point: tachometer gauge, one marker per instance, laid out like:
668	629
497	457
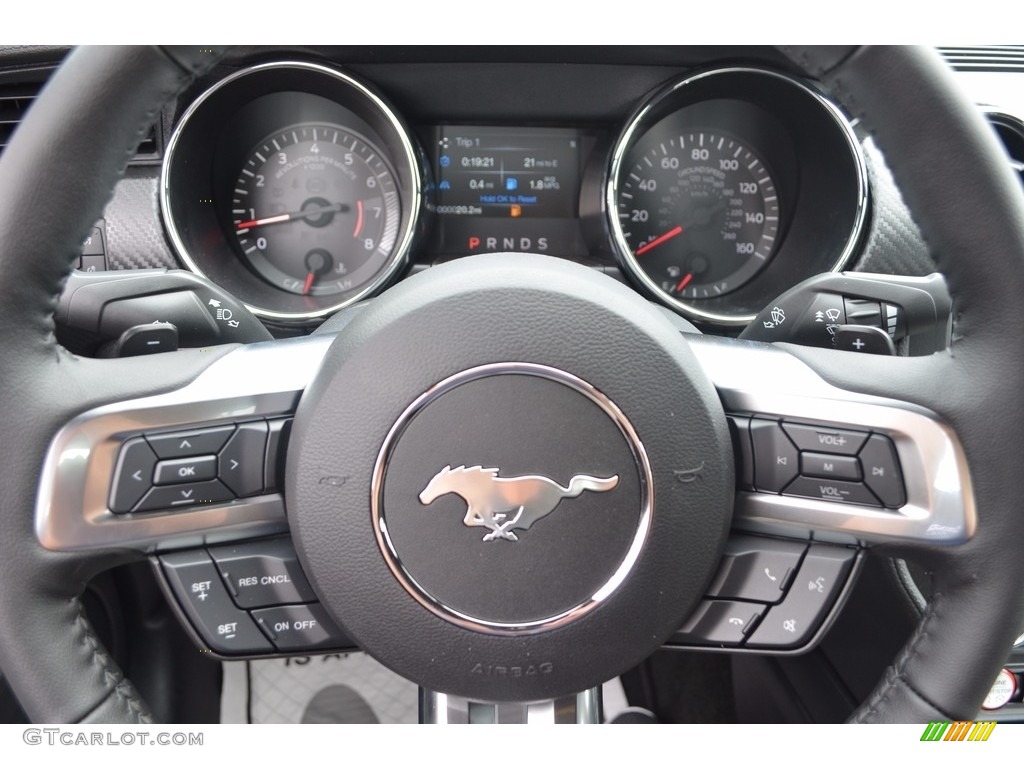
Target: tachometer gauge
295	187
699	211
315	209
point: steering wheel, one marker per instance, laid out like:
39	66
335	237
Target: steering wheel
484	336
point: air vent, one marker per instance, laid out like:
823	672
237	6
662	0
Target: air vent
986	58
19	90
15	99
150	149
1011	133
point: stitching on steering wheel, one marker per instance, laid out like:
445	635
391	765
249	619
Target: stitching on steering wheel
895	675
125	691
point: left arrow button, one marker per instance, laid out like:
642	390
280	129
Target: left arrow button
133	475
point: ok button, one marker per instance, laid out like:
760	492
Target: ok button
185	470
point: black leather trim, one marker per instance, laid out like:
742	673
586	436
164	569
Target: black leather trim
968	204
55	177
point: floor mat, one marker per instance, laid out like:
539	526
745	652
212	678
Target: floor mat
347	688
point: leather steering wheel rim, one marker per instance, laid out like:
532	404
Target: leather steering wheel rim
61	168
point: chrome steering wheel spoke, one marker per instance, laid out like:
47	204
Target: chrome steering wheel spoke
253	385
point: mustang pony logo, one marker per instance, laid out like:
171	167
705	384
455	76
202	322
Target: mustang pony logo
505	504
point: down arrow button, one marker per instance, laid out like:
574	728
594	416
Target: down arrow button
240	465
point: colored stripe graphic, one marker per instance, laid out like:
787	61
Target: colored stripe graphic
957	732
961	730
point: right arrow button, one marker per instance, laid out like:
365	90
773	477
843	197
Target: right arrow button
241	460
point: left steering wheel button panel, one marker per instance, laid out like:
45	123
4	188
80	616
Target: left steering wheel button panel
133	475
201	593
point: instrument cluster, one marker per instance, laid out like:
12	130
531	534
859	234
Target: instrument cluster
301	189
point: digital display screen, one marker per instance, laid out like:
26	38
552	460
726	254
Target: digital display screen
510	173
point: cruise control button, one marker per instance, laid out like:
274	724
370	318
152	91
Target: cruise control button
831	490
300	627
241	460
201	593
263	573
830	466
755	568
776	460
133	475
184	495
719	622
197	442
185	470
794	621
825	439
882	471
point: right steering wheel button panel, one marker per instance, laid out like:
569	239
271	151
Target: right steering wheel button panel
822	462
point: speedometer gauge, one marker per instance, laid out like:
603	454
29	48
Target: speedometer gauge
699	211
730	186
315	209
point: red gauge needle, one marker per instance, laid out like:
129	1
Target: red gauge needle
310	279
684	282
658	241
283	217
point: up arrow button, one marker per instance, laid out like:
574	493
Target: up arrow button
199	442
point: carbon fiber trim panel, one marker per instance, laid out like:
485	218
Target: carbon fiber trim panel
894	244
135	234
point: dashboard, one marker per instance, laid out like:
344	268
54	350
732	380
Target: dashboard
785	188
303	182
301	189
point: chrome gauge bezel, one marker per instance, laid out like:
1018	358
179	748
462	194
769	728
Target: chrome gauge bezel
675	96
405	158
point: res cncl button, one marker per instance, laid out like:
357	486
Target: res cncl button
262	573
